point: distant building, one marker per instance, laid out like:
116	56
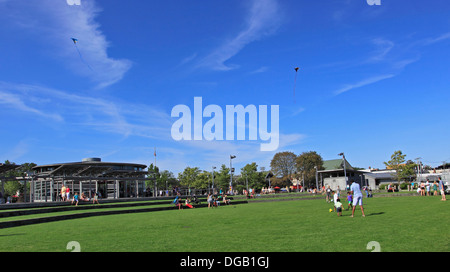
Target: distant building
334	175
91	175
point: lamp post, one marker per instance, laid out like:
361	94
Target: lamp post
213	178
345	172
231	174
317	179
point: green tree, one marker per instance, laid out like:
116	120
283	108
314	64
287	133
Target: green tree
222	178
167	179
305	164
189	176
397	163
283	164
203	180
12	186
153	177
250	174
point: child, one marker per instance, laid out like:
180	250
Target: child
95	199
188	203
350	200
75	199
338	206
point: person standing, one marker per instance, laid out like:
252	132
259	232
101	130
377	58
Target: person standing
349	200
67	193
338	206
63	193
328	191
357	197
209	200
442	189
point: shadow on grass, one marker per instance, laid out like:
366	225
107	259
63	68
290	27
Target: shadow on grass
378	213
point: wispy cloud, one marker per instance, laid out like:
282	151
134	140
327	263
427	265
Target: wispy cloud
102	114
363	83
61	23
384	46
16	102
263	19
393	56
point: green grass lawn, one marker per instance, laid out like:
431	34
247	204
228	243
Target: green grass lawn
398	224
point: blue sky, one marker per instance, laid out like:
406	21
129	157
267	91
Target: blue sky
372	79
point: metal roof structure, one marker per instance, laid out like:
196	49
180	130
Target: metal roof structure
90	169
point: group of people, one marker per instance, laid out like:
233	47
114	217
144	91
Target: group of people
213	200
179	202
432	188
354	198
65	196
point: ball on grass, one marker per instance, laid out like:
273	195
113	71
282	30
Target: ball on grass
330	210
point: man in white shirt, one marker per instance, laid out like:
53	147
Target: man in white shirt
357	197
442	189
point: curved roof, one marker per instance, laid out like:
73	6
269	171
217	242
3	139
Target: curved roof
92	168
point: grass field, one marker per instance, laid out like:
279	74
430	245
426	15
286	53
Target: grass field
398	224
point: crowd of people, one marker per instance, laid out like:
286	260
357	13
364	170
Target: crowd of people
213	200
429	188
76	198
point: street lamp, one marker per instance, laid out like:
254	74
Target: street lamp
231	174
317	179
213	178
345	172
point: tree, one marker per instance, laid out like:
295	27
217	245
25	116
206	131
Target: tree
222	178
12	186
189	176
408	171
153	176
167	179
283	164
250	174
202	180
397	163
305	164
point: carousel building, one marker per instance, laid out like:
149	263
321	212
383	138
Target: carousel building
90	176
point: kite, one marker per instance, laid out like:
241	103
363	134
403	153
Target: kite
295	82
75	41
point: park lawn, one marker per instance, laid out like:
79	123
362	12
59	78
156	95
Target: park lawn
398	224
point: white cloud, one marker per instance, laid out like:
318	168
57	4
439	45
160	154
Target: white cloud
384	46
263	19
363	83
103	114
17	102
56	22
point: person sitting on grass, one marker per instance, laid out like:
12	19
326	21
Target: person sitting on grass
179	203
95	199
226	201
188	204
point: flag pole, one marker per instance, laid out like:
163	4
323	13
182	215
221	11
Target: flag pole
154	154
